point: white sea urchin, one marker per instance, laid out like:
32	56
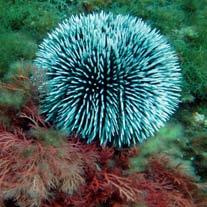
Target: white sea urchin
109	77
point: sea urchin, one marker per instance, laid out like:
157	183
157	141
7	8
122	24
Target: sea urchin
109	77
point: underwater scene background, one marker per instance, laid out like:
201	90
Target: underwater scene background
40	167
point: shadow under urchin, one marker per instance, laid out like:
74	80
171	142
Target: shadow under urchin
109	77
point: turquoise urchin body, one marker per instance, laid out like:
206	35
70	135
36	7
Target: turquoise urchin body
109	77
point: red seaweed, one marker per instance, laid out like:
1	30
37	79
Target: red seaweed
39	166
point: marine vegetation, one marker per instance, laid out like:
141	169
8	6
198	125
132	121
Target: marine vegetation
24	23
41	166
108	76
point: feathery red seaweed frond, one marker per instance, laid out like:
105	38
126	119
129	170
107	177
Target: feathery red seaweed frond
40	167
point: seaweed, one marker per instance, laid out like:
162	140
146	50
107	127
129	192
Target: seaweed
111	175
40	166
183	22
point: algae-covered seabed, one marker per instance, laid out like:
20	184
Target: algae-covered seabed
24	23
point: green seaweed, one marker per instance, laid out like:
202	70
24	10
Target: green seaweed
24	23
49	137
15	46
